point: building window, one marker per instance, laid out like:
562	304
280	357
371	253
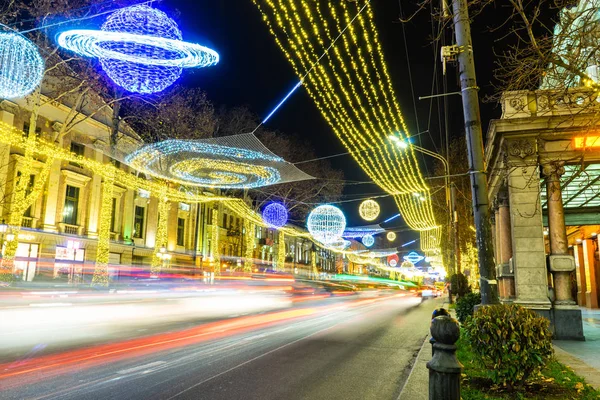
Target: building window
224	220
38	130
113	215
180	231
78	149
138	222
71	205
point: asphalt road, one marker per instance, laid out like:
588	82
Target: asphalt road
356	349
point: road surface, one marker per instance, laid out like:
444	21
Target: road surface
352	349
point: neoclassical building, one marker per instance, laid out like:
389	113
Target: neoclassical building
543	165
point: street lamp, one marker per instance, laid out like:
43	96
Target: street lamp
401	144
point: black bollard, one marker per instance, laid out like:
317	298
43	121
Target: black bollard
444	368
436	313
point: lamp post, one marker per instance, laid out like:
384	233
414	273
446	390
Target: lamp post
401	144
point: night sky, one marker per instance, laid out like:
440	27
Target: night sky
253	72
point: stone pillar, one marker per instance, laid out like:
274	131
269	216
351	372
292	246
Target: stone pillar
529	256
496	241
580	271
561	263
506	274
591	284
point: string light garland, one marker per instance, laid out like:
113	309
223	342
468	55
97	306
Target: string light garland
391	236
281	252
369	210
100	276
197	163
275	215
368	240
352	89
326	223
140	48
215	258
21	66
161	231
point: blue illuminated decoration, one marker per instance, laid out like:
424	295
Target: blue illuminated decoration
413	257
326	224
408	243
357	232
275	215
281	102
368	240
205	164
140	48
391	218
21	66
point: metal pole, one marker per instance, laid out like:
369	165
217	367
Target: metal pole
455	232
470	98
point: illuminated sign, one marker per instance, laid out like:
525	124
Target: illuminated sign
586	142
26	236
413	257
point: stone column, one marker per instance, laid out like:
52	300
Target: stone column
580	271
561	263
505	275
496	241
529	256
95	196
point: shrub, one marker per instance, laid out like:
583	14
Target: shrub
513	342
465	304
459	285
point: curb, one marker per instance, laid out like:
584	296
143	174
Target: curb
416	386
587	372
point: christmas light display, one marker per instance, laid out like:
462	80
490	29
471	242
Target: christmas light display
248	244
369	210
357	232
161	231
393	260
206	164
353	72
215	258
140	48
21	66
275	215
391	236
281	252
326	224
100	276
413	257
368	240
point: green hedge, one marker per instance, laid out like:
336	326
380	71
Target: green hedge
465	305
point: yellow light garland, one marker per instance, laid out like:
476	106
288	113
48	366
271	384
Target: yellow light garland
101	277
160	241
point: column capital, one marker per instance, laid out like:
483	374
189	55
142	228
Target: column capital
502	198
553	170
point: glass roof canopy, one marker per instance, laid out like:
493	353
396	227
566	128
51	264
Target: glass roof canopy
580	187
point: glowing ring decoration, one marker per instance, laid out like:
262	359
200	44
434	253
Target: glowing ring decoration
88	43
368	240
369	210
391	236
326	224
205	164
21	66
275	215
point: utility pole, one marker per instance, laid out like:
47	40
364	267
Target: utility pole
479	189
455	233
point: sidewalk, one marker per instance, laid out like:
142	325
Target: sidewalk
582	357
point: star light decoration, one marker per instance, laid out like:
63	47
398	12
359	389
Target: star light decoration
391	236
326	224
205	164
354	72
368	240
369	210
275	215
21	66
140	48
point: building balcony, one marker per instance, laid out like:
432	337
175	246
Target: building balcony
29	222
68	229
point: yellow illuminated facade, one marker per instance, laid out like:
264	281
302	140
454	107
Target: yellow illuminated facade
350	85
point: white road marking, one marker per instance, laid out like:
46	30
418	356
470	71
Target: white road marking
141	367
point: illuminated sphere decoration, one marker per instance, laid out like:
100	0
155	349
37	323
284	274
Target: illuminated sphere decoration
369	210
368	240
275	215
21	66
391	236
140	48
326	224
